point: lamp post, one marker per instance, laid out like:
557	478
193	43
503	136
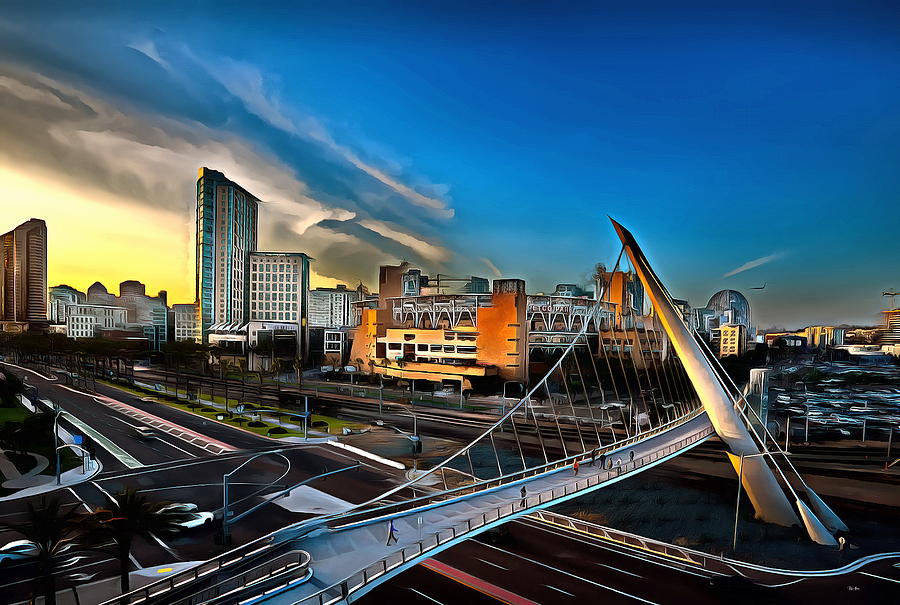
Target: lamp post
226	537
737	504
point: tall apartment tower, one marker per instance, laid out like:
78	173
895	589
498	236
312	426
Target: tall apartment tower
23	275
226	234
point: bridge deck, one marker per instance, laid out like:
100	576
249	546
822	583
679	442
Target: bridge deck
353	558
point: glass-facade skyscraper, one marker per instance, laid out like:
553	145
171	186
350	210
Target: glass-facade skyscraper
227	217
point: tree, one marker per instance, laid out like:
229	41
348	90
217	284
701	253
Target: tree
10	387
55	530
128	516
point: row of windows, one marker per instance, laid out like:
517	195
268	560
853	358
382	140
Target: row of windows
279	268
266	306
464	350
273	296
280	287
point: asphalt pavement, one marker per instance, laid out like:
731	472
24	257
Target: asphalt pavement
529	562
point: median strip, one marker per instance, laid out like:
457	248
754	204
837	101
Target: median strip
98	438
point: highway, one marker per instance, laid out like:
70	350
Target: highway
530	562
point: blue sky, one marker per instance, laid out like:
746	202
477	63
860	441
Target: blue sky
464	138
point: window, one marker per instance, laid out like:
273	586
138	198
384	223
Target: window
465	350
393	346
421	347
436	348
449	349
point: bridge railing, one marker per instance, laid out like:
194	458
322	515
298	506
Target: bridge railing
517	507
385	511
151	592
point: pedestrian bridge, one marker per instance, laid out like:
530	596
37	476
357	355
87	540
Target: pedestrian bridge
595	418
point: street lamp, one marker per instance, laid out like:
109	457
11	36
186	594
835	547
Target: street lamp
225	534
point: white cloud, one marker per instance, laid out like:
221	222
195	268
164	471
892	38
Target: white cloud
752	264
421	247
247	83
490	265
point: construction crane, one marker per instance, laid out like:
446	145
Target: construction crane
892	294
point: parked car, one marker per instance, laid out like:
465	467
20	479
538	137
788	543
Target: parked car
145	432
19	550
179	507
195	519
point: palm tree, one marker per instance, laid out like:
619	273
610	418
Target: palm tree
130	515
54	529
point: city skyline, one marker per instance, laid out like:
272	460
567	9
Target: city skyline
398	156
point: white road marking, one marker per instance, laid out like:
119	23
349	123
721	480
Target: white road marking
566	592
620	570
422	594
571	575
782	584
494	564
83	503
865	573
160	439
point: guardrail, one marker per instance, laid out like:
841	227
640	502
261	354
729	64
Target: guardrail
658	547
191	574
341	590
292	566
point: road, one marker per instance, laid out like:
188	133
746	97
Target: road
175	469
531	562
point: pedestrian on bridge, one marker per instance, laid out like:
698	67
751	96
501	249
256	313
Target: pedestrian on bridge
593	456
631	456
392	534
523	492
575	467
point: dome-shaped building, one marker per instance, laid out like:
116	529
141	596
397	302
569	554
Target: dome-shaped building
733	306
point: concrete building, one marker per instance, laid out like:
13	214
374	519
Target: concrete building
60	297
146	314
732	339
227	216
332	307
459	340
87	320
23	277
187	324
278	325
890	334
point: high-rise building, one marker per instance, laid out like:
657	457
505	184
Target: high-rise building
731	339
279	291
227	217
23	276
148	314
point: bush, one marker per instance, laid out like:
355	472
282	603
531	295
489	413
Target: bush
277	430
257	424
209	410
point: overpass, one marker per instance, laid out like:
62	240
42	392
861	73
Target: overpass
593	419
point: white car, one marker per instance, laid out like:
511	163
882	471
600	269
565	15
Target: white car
195	519
179	507
18	551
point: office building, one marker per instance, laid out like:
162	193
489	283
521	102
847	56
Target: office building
187	324
87	320
332	307
146	314
731	339
60	297
227	216
23	277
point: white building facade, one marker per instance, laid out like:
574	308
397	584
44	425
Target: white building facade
85	320
187	326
